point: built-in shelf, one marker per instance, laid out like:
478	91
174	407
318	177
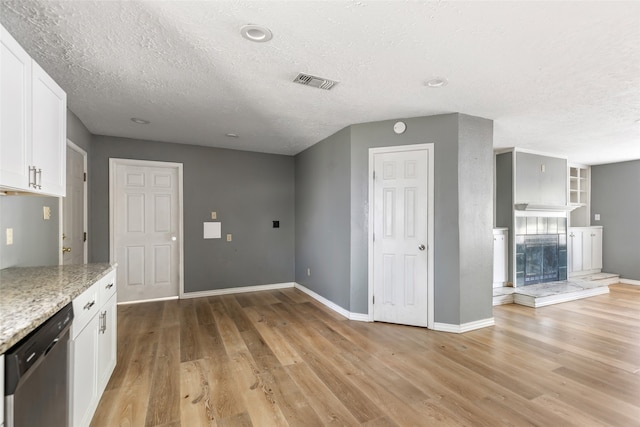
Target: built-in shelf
578	192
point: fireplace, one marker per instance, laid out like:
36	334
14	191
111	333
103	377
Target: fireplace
541	250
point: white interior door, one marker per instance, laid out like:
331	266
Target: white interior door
74	208
146	228
401	238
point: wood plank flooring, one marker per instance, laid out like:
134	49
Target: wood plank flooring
278	358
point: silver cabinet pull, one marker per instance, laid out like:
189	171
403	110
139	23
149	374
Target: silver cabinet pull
32	183
39	183
109	286
103	322
90	304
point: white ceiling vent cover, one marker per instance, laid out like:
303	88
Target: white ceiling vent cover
314	81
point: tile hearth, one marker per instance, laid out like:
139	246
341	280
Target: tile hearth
549	293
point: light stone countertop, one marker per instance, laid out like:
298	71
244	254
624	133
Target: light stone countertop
31	295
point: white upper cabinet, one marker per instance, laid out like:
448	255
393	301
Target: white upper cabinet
33	124
15	112
49	133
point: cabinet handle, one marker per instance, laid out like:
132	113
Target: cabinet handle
32	183
90	304
39	174
109	286
103	322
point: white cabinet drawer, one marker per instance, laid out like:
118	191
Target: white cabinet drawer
85	306
107	288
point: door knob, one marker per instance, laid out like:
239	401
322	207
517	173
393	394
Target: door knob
422	247
66	249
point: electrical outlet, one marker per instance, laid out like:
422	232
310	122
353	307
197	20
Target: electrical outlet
543	168
214	215
9	236
308	272
46	212
229	237
596	217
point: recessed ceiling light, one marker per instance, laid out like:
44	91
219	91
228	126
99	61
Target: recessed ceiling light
256	33
232	135
437	82
140	121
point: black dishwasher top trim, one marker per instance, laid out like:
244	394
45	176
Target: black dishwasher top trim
28	351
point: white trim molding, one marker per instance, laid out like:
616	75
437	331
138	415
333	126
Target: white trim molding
147	300
465	327
238	290
360	317
113	163
630	282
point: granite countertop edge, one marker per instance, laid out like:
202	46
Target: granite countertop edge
31	295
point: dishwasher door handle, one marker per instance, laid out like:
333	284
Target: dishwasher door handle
53	344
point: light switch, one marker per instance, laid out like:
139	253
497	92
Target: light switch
543	168
229	237
596	217
9	236
46	212
212	230
214	215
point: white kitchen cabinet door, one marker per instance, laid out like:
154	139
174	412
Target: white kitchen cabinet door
49	133
586	249
500	258
83	367
575	250
596	248
15	113
107	342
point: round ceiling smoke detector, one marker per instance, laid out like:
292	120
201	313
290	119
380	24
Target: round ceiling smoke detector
140	121
256	33
437	82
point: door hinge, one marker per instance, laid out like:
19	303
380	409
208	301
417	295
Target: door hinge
374	299
85	177
84	236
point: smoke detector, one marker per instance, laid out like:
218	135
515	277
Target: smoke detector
314	81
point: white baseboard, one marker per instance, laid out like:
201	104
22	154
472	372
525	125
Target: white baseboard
238	290
630	282
503	299
147	300
465	327
333	306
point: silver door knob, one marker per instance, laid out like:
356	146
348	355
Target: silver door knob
422	247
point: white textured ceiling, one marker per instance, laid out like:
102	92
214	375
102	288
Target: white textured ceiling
557	77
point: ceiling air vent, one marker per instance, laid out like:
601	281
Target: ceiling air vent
314	81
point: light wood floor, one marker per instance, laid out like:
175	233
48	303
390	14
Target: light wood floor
279	358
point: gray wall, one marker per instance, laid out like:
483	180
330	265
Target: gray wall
35	240
247	190
323	204
504	199
443	132
77	132
463	178
475	217
537	187
615	195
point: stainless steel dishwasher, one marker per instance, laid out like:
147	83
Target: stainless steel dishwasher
36	379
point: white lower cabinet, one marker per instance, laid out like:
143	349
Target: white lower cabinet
500	257
584	250
92	348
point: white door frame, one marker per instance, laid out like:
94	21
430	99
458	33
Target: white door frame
113	163
85	214
430	224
